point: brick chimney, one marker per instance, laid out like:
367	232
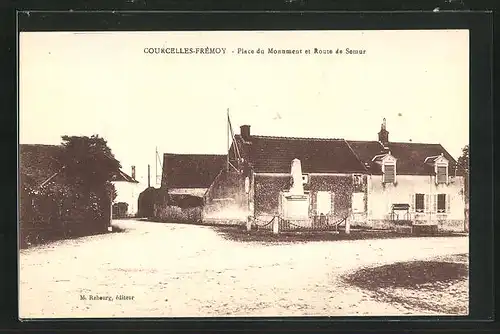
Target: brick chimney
245	132
133	172
383	135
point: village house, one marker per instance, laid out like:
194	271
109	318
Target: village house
375	184
259	182
418	182
127	194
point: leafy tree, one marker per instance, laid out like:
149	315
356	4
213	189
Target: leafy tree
88	161
463	164
88	166
463	160
74	201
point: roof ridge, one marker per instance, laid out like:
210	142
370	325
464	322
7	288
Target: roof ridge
299	138
413	143
391	142
42	145
196	154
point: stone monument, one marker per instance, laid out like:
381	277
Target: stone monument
296	202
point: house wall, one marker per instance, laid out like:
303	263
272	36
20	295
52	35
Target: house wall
226	201
381	197
129	193
268	188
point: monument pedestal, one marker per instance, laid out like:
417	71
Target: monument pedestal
296	207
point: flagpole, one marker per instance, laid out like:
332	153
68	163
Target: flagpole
228	147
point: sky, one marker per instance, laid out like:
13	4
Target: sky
85	83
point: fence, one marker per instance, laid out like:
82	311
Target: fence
316	223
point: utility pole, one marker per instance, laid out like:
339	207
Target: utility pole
158	163
149	176
228	147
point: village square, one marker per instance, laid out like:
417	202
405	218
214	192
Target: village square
278	226
167	182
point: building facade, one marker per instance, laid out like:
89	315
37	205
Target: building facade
128	190
259	182
424	177
374	184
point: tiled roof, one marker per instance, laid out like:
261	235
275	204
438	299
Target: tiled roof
411	157
191	170
38	162
123	177
275	154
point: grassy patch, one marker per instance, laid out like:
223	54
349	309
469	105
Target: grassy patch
437	286
239	233
408	274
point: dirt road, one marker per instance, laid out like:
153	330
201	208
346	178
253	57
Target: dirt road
169	270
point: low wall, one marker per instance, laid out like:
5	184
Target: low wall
452	225
224	214
443	225
178	215
223	222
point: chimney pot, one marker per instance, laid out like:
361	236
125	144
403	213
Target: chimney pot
245	132
383	135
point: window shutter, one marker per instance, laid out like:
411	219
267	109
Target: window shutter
389	173
441	174
314	203
412	202
332	210
448	203
434	203
310	205
280	204
427	204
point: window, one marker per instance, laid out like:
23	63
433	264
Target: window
358	202
419	203
441	203
442	174
389	173
305	179
358	179
324	202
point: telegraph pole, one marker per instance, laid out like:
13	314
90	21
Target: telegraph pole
149	176
228	147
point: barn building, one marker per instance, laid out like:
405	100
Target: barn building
185	180
190	174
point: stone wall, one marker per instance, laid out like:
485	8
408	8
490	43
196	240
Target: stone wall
226	200
269	187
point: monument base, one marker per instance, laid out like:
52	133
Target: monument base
296	207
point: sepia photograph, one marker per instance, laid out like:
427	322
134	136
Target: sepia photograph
168	174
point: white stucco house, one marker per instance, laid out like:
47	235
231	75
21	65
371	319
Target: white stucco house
420	182
128	190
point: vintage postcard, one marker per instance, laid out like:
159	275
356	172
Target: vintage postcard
243	173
